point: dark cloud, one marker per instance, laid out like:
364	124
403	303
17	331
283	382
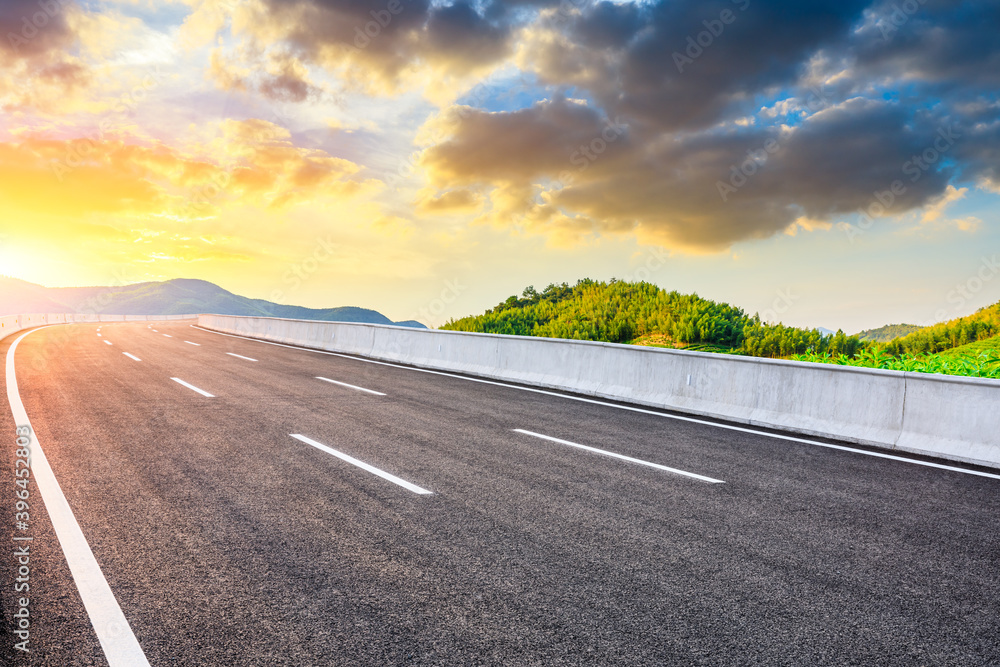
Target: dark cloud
954	45
460	34
389	36
29	29
685	64
607	25
331	30
702	191
977	154
520	146
287	86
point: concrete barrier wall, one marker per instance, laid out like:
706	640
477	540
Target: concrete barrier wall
944	416
952	417
9	324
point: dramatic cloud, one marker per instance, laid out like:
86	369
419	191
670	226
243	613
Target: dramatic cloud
693	125
702	191
687	90
682	65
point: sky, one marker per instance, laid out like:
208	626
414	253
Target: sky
824	163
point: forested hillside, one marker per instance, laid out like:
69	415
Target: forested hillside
982	324
644	314
888	332
623	312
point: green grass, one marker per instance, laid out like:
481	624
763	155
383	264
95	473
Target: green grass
975	349
982	362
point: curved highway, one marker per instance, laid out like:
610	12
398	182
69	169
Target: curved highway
254	504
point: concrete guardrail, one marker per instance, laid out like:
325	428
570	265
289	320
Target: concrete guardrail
949	417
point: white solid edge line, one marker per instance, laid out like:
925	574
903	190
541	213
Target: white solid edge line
710	480
193	388
190	343
131	356
364	466
120	646
350	386
593	401
108	342
240	356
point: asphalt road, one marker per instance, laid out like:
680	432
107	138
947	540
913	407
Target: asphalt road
227	541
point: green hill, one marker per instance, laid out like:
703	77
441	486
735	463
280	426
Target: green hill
964	346
982	324
888	332
642	313
987	346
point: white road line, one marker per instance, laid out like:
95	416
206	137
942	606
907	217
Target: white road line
121	648
100	336
620	456
364	466
168	335
240	356
592	401
193	388
130	356
190	343
156	331
108	342
350	386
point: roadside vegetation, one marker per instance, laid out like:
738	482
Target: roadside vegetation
983	364
641	313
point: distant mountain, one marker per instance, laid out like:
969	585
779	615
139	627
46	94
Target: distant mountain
173	297
18	296
888	332
825	331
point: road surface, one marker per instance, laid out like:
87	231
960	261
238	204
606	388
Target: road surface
243	511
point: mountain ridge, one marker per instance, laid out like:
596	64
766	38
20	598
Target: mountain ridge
171	297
